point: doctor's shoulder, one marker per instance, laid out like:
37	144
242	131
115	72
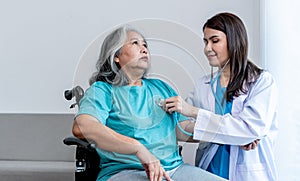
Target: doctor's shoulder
266	78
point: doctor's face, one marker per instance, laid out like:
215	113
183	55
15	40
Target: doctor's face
216	49
134	55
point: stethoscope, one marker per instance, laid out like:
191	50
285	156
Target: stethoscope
213	81
161	103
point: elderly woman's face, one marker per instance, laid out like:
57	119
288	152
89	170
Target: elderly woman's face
216	49
134	55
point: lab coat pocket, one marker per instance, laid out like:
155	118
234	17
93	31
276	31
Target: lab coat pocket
256	171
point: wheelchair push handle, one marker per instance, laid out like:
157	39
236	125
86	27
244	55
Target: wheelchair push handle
76	92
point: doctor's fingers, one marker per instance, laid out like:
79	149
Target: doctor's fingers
248	146
173	106
255	143
251	146
174	99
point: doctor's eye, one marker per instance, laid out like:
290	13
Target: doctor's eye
215	40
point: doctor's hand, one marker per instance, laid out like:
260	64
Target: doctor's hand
251	146
154	171
179	105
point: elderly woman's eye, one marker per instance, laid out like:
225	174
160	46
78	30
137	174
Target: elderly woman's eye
145	45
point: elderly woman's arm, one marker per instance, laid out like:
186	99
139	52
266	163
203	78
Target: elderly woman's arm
88	127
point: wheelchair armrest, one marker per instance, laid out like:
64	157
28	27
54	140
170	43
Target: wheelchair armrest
89	145
180	149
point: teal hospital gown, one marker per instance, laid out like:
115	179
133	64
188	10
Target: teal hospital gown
132	111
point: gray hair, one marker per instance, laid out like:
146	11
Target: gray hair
107	69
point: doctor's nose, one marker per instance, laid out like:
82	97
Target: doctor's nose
207	47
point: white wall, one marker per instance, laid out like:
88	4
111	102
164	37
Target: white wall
282	58
43	42
49	46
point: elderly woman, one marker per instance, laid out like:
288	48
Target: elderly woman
136	138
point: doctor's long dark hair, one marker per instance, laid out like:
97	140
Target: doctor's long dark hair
242	71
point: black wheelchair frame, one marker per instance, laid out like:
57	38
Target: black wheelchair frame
87	160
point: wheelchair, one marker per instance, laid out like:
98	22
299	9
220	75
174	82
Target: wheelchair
87	160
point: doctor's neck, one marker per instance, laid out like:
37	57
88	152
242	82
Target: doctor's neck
225	67
225	73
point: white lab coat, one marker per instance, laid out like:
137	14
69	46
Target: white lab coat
253	116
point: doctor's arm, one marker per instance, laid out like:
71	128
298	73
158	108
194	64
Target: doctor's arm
187	126
251	122
180	105
88	127
252	116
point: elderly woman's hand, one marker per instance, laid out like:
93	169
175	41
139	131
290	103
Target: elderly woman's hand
154	171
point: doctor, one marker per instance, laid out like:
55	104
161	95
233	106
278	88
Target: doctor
234	106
